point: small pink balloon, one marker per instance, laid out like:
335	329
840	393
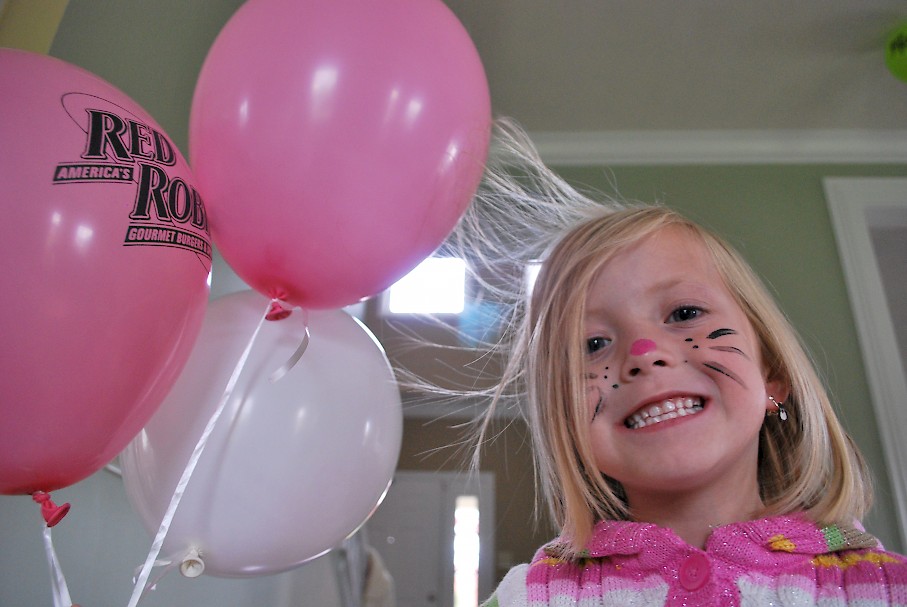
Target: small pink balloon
106	257
337	142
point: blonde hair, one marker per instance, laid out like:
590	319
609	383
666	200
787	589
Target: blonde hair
807	463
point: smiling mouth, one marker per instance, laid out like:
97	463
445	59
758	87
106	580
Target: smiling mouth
671	408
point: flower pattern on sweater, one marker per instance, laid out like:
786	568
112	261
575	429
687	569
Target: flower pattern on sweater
786	561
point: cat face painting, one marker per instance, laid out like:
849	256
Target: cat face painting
676	388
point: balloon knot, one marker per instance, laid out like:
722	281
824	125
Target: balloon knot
51	512
277	311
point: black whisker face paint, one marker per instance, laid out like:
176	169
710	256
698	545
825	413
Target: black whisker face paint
720	333
731	349
598	405
724	371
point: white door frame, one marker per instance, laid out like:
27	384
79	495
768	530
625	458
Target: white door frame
480	484
444	487
852	202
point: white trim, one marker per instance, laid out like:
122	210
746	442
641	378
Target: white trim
850	201
855	146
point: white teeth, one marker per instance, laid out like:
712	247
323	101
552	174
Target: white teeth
663	411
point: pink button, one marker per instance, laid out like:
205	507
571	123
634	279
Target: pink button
694	571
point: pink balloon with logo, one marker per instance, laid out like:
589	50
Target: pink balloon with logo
104	282
337	142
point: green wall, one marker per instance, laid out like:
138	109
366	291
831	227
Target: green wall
152	51
776	215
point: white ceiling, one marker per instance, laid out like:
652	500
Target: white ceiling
757	75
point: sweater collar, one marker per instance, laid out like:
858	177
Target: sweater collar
787	533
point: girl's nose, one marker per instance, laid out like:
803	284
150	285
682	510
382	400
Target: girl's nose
642	356
642	346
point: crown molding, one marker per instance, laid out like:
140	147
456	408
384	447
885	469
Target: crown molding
722	147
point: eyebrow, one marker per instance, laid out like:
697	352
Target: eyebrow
682	283
665	285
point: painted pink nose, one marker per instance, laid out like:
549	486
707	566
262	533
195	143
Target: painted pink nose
642	346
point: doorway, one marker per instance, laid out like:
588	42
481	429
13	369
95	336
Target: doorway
869	217
435	533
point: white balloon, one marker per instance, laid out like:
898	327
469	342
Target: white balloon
292	467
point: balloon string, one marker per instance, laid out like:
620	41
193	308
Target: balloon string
291	362
57	581
142	580
168	564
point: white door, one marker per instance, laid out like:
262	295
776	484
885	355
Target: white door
413	530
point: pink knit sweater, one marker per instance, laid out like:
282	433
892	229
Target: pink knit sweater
781	561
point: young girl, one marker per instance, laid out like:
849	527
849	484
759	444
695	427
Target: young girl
685	445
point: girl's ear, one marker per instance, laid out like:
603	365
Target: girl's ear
779	389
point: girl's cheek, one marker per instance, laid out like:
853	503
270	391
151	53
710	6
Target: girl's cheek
595	399
593	396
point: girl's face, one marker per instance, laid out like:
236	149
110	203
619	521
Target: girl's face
676	389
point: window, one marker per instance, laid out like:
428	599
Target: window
530	274
435	286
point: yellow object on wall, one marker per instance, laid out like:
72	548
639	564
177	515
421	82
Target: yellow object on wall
30	24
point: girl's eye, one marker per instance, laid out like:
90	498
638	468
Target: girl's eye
685	314
595	344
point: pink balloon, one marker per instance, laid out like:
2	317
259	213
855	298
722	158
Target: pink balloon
292	467
337	142
106	258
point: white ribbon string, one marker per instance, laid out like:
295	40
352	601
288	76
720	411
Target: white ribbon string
291	362
57	581
139	589
167	565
